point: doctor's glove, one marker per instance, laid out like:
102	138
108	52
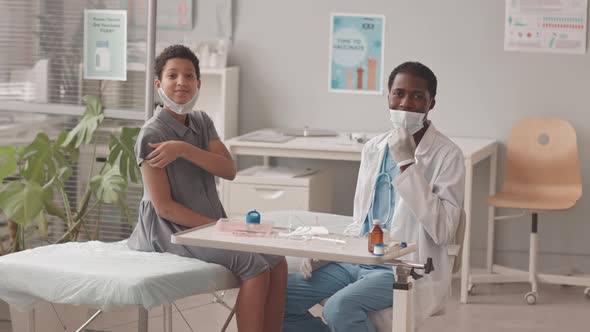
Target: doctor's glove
402	147
308	265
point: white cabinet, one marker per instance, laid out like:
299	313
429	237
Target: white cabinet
246	192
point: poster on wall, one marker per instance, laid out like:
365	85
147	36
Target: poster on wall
356	53
105	44
172	14
550	26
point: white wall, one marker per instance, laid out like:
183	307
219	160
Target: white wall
282	50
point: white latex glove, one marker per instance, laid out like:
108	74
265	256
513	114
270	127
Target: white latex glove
402	146
309	265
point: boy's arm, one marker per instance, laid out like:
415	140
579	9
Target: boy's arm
158	186
216	161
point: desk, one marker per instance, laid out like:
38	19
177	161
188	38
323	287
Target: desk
354	251
474	150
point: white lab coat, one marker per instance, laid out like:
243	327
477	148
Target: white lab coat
429	201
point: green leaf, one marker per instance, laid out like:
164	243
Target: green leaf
84	131
54	210
44	160
23	202
39	165
64	156
8	161
121	153
110	186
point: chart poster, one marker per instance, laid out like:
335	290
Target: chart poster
550	26
105	44
172	14
356	53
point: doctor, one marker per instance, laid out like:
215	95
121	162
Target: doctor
426	197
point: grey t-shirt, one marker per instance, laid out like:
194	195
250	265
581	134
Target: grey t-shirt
190	185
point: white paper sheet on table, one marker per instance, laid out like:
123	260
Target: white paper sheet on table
105	276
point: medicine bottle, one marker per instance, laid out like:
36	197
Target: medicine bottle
375	235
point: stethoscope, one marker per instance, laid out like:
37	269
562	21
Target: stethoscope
382	176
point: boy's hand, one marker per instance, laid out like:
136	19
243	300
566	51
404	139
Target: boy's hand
165	153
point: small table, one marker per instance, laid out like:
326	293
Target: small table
354	251
475	150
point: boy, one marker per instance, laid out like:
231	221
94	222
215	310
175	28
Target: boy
179	153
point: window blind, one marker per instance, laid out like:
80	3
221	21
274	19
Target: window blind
41	49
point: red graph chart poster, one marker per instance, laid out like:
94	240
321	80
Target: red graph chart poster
551	26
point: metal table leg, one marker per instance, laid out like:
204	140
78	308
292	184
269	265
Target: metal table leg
167	315
403	315
142	321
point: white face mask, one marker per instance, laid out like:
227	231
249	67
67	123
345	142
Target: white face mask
178	108
411	121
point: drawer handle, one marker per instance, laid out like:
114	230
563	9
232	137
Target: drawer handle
269	193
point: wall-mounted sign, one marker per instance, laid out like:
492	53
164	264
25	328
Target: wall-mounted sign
105	44
356	53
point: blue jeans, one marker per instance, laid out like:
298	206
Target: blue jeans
354	291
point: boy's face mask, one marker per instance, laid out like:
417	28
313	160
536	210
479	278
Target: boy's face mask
411	121
178	108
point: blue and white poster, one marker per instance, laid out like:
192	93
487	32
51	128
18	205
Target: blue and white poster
356	53
105	44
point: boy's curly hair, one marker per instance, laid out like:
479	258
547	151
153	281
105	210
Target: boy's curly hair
176	51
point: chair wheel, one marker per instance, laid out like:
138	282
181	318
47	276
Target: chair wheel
587	292
530	297
471	289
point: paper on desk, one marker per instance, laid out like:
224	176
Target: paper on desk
307	231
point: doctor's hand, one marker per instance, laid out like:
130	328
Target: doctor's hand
402	147
308	265
165	153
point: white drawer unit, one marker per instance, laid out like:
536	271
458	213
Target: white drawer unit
246	192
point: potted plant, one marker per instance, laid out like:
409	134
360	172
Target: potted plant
36	175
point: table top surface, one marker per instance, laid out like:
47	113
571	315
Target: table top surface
353	251
341	143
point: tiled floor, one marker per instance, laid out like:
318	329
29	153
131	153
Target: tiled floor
492	308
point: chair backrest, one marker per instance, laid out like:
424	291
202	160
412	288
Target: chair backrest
542	158
457	249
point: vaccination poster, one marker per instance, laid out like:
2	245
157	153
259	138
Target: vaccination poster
550	26
356	53
105	44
